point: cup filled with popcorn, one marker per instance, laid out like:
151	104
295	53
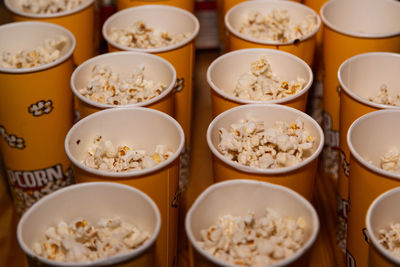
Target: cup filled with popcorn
266	142
258	75
165	31
75	15
251	223
124	79
139	147
282	25
91	224
374	168
186	4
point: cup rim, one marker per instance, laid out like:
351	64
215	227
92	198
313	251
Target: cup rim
354	95
235	32
126	174
258	171
352	33
238	182
192	36
146	103
235	99
56	62
112	260
45	16
358	157
370	230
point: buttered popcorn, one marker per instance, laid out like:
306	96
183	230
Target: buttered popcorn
276	25
44	54
390	239
390	161
249	143
250	241
48	6
262	84
81	241
383	97
140	36
104	155
105	86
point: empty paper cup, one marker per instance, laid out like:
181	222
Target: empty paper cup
80	21
299	178
224	72
156	69
369	138
36	112
237	198
143	129
181	55
184	4
92	202
303	48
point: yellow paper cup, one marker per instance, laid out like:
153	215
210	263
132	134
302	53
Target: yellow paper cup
303	48
181	56
184	4
79	21
223	73
144	128
237	198
382	212
79	201
299	178
125	63
368	138
36	113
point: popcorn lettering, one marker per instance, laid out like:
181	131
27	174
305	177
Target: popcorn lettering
250	241
140	36
80	241
249	143
48	6
390	239
276	25
106	87
262	84
383	97
390	161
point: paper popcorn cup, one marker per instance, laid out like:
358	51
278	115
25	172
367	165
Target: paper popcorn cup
79	21
381	214
144	129
181	56
78	201
224	72
125	63
369	138
184	4
299	178
35	114
303	48
237	198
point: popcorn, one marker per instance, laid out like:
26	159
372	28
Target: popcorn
80	241
276	26
106	87
48	6
103	155
383	97
250	144
48	52
390	161
247	241
140	36
262	84
390	239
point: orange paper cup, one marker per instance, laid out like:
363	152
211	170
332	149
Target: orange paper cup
299	178
184	4
223	73
368	138
303	48
236	198
79	21
144	128
382	212
125	63
78	201
173	20
36	113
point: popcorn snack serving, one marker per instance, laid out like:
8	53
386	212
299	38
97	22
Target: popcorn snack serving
383	97
390	239
48	6
390	161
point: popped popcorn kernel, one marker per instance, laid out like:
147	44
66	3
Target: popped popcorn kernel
390	161
390	239
48	6
385	98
